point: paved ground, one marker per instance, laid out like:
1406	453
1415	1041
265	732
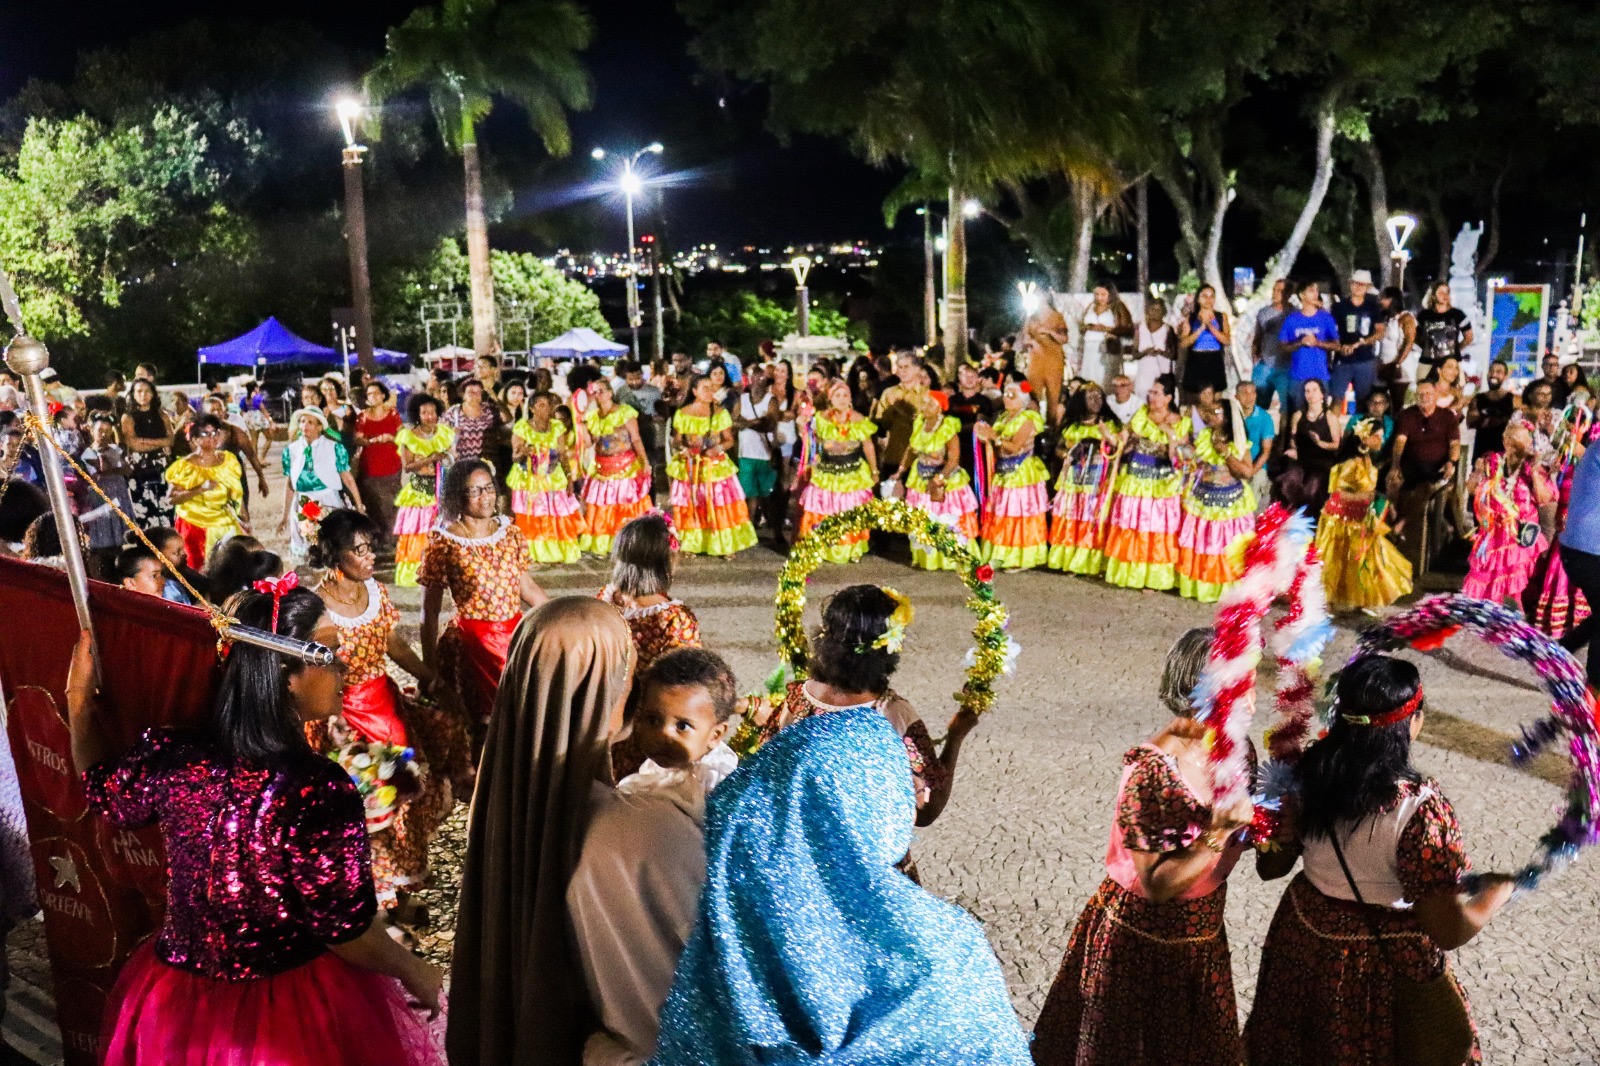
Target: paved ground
1021	844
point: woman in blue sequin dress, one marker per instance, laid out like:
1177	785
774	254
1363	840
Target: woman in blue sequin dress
810	946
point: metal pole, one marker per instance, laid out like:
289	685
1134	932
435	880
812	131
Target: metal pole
659	338
803	318
930	290
28	358
355	213
1577	272
634	318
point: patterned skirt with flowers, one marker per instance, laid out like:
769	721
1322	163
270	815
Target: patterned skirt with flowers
956	507
1215	518
1146	513
1143	982
1015	533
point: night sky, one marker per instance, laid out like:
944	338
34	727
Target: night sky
735	182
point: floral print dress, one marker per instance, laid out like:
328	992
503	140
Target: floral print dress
1326	991
1147	982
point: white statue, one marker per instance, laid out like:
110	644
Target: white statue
1464	294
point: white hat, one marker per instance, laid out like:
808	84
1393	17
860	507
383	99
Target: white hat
311	412
1361	277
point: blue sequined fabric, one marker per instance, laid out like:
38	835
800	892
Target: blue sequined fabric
810	947
269	865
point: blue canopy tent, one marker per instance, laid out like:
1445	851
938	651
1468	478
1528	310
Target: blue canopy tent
272	344
579	343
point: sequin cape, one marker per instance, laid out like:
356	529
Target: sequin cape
269	865
809	945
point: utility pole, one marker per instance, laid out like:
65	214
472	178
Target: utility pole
1142	245
659	336
355	218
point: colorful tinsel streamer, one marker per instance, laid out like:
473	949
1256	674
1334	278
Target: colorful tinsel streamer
1571	703
1279	561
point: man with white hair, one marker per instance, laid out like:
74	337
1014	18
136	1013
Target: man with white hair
1361	326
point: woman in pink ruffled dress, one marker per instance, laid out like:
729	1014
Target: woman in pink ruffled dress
1507	492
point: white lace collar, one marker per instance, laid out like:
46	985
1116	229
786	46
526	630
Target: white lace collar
374	605
475	542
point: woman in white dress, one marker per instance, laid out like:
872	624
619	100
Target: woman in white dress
1155	348
1101	331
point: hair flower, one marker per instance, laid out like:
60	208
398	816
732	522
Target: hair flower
894	634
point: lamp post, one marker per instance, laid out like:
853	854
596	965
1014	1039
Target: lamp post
1400	228
801	265
355	234
930	289
631	185
1029	291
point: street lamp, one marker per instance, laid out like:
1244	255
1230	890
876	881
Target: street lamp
1400	228
632	185
971	208
1029	291
801	265
350	111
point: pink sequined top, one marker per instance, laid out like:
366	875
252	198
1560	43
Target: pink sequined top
269	865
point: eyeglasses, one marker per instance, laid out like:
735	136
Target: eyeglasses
362	548
481	490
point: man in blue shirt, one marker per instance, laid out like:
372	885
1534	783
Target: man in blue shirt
1361	326
1258	429
1308	334
1580	552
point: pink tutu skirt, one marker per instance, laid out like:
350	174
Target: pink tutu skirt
325	1013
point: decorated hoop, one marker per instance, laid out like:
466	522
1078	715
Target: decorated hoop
993	652
1430	623
1279	560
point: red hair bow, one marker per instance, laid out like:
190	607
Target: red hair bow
277	588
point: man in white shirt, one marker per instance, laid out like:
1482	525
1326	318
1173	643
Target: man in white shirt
1122	401
757	420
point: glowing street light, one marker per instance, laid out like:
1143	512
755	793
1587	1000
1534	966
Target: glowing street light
1029	291
971	208
801	265
350	111
1400	228
632	185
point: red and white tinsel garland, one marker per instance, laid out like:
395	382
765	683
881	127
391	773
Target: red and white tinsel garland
1280	560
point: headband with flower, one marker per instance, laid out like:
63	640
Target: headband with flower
893	637
672	527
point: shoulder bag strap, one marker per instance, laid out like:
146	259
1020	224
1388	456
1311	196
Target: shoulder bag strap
1366	915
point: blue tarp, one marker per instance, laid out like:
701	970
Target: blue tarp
272	344
577	343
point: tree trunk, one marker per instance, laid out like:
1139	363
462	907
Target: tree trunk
1184	208
1281	264
955	288
1211	263
1142	240
1441	233
1378	200
1030	226
1085	210
1493	249
482	277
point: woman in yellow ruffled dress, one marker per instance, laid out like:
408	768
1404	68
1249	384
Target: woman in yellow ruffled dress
1015	534
424	444
1090	435
1361	567
618	488
542	503
935	482
1146	508
708	505
207	492
1219	508
842	472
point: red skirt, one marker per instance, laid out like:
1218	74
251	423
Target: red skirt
372	708
472	656
325	1013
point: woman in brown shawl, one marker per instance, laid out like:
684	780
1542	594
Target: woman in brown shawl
516	985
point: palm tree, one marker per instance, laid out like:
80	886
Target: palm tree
467	54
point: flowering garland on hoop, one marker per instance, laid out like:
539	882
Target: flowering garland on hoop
1280	560
993	652
1430	623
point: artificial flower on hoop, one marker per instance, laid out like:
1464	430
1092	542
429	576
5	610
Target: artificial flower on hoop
893	637
384	775
1009	653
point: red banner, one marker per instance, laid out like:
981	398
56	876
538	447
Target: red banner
102	889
